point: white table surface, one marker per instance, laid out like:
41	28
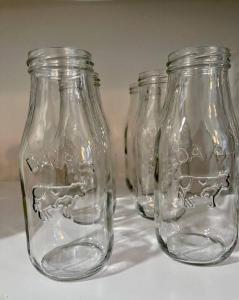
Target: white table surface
137	269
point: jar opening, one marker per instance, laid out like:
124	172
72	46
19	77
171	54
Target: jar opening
196	56
152	76
59	58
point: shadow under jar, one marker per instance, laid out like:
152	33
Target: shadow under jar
152	88
67	199
196	187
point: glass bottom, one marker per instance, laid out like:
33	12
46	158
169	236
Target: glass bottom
74	261
196	249
145	211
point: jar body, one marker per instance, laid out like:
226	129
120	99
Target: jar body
233	76
231	111
196	175
104	134
67	201
129	138
148	124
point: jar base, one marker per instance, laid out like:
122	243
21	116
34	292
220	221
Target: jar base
196	249
74	261
145	212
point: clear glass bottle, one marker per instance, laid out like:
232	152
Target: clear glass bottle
67	199
97	96
129	137
196	172
231	114
105	133
234	82
152	88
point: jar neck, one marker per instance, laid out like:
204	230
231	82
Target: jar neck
50	95
70	97
153	91
59	73
193	71
204	78
80	79
204	72
198	93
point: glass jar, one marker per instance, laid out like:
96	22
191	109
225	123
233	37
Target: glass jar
152	88
63	168
234	82
97	96
196	188
104	131
231	112
129	137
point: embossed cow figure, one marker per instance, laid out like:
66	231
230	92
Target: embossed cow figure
192	189
47	197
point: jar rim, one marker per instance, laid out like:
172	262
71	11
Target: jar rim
198	55
57	52
198	50
150	73
152	76
57	57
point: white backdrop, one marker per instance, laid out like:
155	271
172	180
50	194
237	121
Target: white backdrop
125	37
